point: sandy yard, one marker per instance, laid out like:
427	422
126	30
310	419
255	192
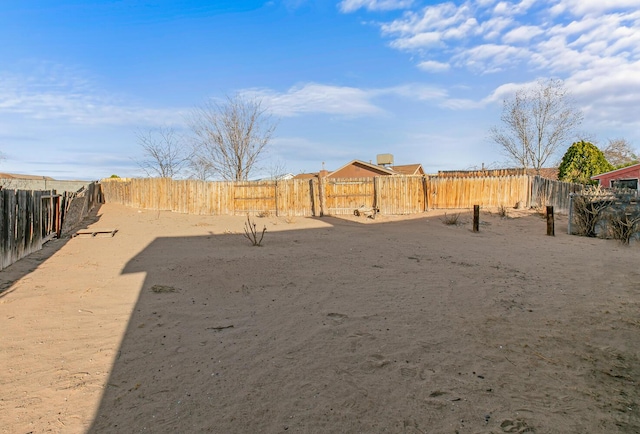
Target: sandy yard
399	325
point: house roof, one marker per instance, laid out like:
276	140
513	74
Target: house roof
622	169
406	169
370	166
19	176
545	172
306	175
549	172
409	169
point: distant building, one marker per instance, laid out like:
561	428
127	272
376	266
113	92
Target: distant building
548	173
281	177
627	177
362	169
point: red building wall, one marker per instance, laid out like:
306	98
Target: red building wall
626	173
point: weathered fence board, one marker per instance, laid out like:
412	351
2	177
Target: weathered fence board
451	193
547	192
293	197
400	194
330	196
30	218
20	227
343	196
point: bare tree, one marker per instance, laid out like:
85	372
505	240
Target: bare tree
199	168
164	152
619	153
277	170
537	121
230	137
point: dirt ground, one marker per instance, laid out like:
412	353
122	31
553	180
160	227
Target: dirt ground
398	325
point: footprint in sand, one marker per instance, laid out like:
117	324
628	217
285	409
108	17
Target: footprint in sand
375	362
337	318
408	371
515	426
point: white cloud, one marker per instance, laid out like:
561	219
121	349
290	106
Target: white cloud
509	8
594	45
53	92
415	91
522	34
420	40
433	66
347	6
586	7
317	98
489	58
440	17
338	100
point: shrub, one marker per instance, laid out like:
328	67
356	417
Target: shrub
251	232
451	220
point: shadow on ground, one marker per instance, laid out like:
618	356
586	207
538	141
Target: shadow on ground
403	327
30	263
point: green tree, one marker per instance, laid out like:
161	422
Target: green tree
582	161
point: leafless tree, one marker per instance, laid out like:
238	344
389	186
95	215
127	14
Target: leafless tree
536	122
619	153
277	169
165	154
230	137
199	168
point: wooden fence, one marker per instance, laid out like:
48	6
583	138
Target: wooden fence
508	191
555	193
21	224
29	218
330	196
76	206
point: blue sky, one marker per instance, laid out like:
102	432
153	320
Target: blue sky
422	80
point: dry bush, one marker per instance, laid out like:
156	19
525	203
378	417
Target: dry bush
252	234
451	220
623	225
588	211
290	219
265	213
502	211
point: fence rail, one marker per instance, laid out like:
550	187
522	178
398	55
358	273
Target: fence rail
329	196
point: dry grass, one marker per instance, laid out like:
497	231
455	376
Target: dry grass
451	219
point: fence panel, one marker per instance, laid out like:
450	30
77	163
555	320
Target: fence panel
400	194
20	224
254	197
554	193
295	197
303	197
448	193
29	218
344	195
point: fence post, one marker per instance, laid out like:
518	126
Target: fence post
570	212
276	196
322	191
550	223
376	195
476	218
